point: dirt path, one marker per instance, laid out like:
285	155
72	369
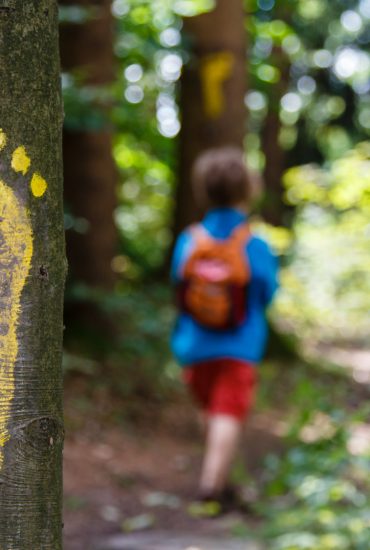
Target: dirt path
131	488
162	540
126	490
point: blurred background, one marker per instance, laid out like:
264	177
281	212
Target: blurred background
147	86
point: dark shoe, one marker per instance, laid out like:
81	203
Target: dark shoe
232	501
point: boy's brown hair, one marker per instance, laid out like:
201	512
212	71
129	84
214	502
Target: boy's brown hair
220	178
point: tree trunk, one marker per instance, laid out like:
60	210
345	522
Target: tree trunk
90	175
213	88
273	207
32	269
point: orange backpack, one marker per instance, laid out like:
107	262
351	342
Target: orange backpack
216	277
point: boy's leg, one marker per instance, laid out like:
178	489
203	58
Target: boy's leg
230	400
223	435
224	389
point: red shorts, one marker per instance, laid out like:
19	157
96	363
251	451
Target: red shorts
222	386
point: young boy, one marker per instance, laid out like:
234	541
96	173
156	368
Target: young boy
225	279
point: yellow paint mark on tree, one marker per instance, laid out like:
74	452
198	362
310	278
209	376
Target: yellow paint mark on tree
15	261
16	252
215	69
3	139
38	185
20	160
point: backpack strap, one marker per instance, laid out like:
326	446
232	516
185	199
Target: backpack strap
199	233
241	234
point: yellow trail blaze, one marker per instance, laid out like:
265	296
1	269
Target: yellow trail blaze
20	160
3	139
215	69
16	249
38	185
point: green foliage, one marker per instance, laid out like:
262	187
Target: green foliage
145	9
189	8
143	216
314	495
318	493
345	185
137	362
326	288
149	52
86	106
140	105
310	63
75	14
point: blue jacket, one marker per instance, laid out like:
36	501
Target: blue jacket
193	343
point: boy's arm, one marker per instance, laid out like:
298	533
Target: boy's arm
265	269
180	252
271	280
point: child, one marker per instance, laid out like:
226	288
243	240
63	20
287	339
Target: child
225	279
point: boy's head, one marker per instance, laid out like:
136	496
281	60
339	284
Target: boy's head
220	178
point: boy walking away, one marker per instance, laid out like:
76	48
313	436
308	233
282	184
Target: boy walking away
225	278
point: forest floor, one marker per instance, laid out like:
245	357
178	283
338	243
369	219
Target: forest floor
133	489
130	485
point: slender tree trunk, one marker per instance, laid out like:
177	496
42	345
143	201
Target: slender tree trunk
213	89
32	269
89	171
90	176
273	208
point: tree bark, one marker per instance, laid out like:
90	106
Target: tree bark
273	207
32	270
90	175
213	88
